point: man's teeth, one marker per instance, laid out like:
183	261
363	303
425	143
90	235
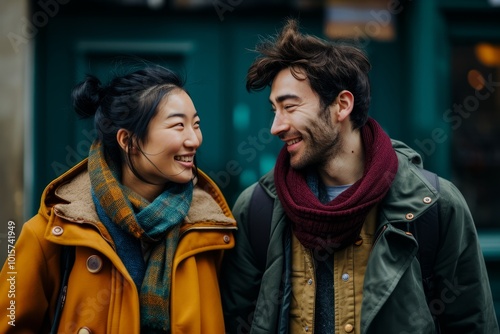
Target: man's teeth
184	159
291	142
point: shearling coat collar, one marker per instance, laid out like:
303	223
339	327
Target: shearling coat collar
76	204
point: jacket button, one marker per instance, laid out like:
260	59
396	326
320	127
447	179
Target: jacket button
57	230
345	277
427	200
94	264
84	330
310	281
226	238
348	328
410	216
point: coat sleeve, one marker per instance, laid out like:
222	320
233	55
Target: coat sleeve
240	277
26	283
462	301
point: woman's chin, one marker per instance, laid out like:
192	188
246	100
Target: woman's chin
184	177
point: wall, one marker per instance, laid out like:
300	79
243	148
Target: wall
15	53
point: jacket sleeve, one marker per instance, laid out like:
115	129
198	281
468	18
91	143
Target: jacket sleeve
25	288
462	300
240	278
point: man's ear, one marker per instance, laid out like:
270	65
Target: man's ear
123	138
345	101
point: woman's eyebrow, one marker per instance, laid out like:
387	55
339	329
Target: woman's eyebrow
182	115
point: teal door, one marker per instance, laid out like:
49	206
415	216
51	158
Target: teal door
212	55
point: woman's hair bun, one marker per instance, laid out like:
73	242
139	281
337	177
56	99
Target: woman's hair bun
87	96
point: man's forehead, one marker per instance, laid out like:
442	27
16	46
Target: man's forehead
286	85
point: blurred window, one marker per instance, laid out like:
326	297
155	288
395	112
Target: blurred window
474	118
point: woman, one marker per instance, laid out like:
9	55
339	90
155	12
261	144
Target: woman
147	228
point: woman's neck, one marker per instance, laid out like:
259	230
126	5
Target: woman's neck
146	190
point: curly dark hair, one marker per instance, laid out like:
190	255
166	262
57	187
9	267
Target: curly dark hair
330	68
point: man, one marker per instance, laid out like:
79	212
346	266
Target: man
341	258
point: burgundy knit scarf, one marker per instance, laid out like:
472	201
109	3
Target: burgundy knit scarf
338	223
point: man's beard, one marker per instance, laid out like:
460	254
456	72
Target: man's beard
323	143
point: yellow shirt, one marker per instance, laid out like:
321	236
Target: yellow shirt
349	265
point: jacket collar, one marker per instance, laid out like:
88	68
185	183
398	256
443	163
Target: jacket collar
404	199
70	197
410	194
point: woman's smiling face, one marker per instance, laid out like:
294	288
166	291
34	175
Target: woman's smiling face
172	139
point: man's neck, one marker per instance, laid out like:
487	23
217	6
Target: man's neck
347	166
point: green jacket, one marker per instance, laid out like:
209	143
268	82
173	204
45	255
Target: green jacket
393	296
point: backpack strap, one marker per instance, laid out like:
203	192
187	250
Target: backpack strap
67	261
260	214
426	232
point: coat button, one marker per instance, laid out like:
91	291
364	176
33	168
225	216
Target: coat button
57	230
310	281
94	264
226	238
345	277
427	200
348	328
84	330
410	216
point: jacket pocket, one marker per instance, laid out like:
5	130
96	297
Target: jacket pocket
392	292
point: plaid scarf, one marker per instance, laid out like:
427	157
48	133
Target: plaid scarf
130	220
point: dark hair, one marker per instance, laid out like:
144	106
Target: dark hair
128	102
330	68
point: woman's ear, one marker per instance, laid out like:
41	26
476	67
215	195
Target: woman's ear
345	101
123	138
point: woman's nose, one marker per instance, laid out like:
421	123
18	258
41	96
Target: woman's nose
193	138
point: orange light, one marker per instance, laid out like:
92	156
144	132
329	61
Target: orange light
488	54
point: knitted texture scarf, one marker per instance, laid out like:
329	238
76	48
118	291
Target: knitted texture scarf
131	219
337	224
